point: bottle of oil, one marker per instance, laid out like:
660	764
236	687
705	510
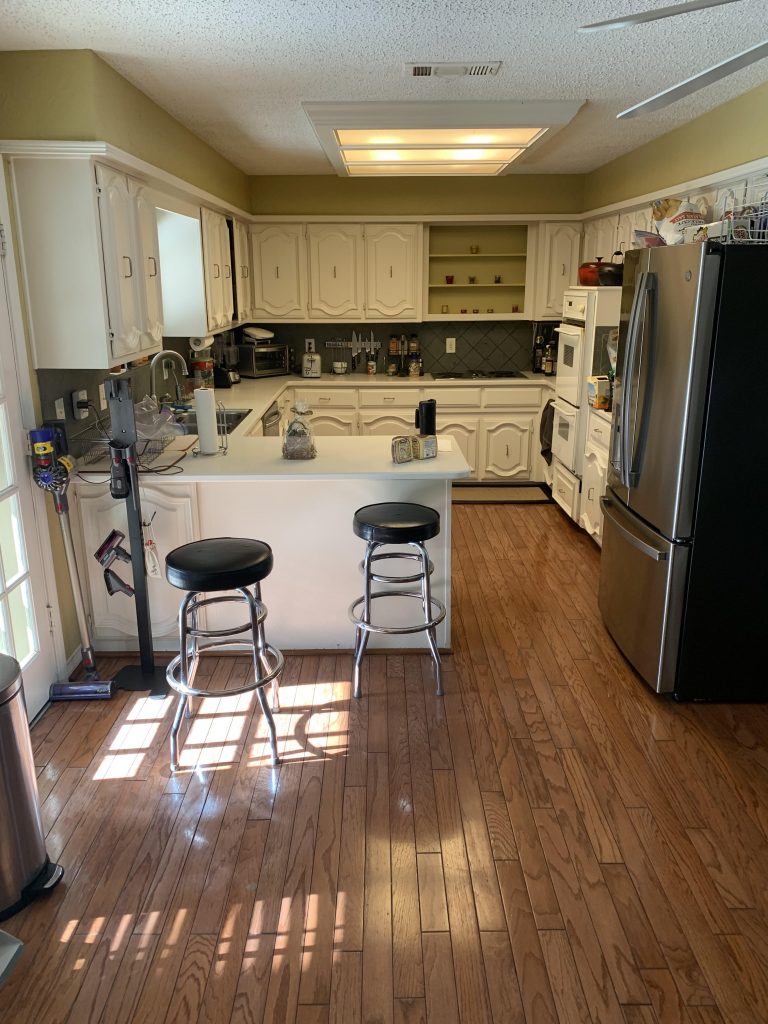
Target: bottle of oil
538	355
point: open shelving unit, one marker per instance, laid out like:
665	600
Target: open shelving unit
501	252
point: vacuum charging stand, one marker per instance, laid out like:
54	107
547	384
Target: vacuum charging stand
124	485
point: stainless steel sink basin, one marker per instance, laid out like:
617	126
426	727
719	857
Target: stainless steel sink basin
232	419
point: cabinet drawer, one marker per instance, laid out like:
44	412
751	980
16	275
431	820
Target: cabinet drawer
389	398
456	398
565	490
319	398
599	430
511	398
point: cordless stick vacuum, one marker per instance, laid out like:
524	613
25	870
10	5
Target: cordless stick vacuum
50	471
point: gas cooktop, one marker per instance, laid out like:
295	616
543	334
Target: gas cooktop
478	375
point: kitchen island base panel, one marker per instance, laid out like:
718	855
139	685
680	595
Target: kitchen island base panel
308	524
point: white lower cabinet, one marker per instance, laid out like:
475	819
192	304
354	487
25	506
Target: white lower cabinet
565	489
173	511
465	430
336	423
592	488
385	422
507	448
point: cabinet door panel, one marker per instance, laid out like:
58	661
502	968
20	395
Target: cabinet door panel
227	285
385	424
122	273
592	489
507	452
465	432
633	220
557	266
334	424
149	261
279	271
600	239
213	268
391	270
242	271
335	270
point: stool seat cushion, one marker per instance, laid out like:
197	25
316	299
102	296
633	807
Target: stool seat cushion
218	563
396	522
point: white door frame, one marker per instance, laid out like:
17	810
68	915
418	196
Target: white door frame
38	530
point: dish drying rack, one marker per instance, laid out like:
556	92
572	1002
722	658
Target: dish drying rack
92	445
746	221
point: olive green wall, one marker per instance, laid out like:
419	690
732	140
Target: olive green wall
329	194
73	94
733	133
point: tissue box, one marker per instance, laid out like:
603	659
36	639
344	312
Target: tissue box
599	392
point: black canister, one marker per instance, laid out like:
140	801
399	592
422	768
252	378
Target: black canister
426	417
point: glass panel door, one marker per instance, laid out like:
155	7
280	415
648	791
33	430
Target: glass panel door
25	630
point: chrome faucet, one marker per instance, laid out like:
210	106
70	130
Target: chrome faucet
167	353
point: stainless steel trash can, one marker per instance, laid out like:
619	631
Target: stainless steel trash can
25	870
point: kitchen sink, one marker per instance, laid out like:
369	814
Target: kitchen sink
232	419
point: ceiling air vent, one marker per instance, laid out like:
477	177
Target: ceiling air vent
446	69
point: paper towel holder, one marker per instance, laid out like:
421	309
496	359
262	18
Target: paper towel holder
221	430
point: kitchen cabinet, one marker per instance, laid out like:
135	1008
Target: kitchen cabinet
217	263
89	260
279	271
336	423
392	271
242	271
629	222
556	267
385	422
600	239
593	484
173	511
507	447
336	264
465	430
565	489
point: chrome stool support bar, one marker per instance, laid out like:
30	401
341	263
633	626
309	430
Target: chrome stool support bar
434	610
268	661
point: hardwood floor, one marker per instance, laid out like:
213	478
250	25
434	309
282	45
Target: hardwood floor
548	843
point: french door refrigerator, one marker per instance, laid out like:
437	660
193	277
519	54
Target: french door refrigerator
684	566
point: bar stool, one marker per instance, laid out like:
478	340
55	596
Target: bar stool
215	565
410	525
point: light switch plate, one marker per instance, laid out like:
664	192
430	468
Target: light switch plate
450	346
309	344
58	407
79	396
102	399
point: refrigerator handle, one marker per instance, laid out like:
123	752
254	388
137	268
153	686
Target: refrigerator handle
636	323
658	556
647	352
617	454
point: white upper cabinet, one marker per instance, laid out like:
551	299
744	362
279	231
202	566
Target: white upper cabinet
89	260
217	263
629	222
335	270
148	254
600	239
392	271
242	271
556	267
122	264
279	271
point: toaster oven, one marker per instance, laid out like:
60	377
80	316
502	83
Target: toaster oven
262	360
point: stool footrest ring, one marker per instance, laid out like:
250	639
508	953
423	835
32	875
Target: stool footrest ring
419	627
275	657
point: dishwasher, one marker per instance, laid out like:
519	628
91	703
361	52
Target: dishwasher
270	421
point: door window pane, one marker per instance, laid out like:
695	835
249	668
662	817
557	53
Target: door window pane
6	466
14	559
5	637
22	622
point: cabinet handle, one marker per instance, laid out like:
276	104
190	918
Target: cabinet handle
390	271
507	447
153	261
277	273
323	398
228	270
590	493
561	490
389	399
216	270
334	271
127	263
598	431
563	271
246	270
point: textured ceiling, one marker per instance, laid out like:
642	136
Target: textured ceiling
236	71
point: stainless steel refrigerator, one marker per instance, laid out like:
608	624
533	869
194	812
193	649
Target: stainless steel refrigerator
684	567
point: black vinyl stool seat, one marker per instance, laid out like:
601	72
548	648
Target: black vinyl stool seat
216	565
408	525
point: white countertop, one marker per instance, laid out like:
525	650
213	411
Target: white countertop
260	458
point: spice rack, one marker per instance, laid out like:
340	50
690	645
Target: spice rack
501	251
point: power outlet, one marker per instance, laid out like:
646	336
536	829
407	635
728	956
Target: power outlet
309	344
58	409
450	346
79	396
102	399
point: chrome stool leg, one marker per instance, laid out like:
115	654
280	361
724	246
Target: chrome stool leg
426	600
262	644
361	634
259	660
181	707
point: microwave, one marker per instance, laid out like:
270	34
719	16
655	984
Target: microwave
262	360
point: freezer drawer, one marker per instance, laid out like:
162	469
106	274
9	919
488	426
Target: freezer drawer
642	586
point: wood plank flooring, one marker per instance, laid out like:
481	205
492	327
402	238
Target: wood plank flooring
548	844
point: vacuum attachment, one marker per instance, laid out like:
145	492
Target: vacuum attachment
81	691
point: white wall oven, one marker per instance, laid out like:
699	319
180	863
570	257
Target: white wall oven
570	350
565	433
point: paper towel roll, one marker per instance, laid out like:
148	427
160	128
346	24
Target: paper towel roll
205	409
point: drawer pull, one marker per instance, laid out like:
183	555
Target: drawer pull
561	490
323	398
390	399
598	431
